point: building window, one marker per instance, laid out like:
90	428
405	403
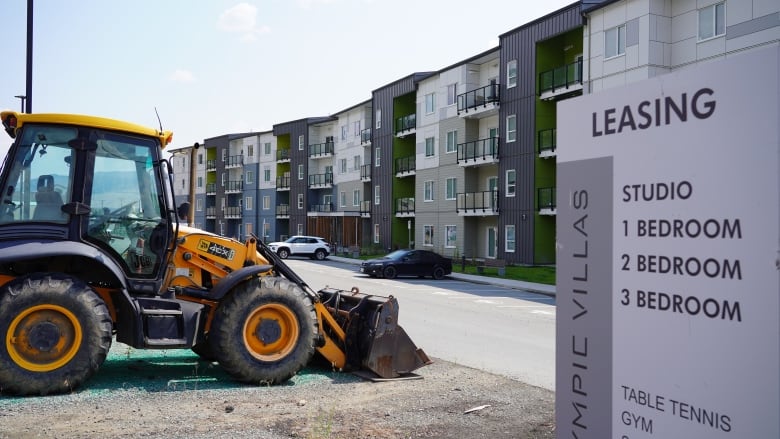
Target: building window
182	183
342	166
712	21
378	119
267	174
266	202
509	239
511	73
452	188
300	201
343	132
430	147
511	128
250	150
249	176
266	230
224	179
430	103
377	156
199	205
300	172
428	235
342	199
452	93
356	197
450	236
615	41
327	200
300	229
267	148
200	159
428	191
356	163
376	233
300	143
511	182
356	128
248	203
376	195
224	155
200	182
452	141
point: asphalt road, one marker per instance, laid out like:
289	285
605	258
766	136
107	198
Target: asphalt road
491	328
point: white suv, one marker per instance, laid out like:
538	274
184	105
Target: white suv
311	246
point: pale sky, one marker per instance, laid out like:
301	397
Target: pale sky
218	67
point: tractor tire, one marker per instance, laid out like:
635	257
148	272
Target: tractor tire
390	272
56	333
438	273
264	331
283	253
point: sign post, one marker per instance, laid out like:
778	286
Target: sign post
669	255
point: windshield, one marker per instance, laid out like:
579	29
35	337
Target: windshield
396	254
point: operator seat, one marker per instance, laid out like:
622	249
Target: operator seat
49	202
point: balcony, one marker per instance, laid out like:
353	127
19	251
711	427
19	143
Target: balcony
211	165
483	203
545	201
561	81
405	166
282	184
406	125
211	212
365	173
365	209
211	189
283	211
404	207
321	181
234	187
479	152
545	139
282	155
365	137
232	212
321	150
483	101
234	161
322	208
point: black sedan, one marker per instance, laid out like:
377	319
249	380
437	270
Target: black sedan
418	263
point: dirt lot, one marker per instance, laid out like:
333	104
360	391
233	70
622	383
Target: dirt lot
174	395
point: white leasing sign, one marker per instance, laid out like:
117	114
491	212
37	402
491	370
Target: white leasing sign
669	256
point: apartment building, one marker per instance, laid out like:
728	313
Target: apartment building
461	160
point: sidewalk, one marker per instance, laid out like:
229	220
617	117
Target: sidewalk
507	283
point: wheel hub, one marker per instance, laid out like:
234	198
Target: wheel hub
44	336
268	331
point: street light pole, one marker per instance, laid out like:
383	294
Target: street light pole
28	94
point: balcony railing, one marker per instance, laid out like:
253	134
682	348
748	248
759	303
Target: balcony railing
211	212
234	161
365	136
545	200
365	208
365	172
561	79
321	149
327	207
282	183
321	180
477	203
234	186
547	142
406	123
482	150
211	189
211	165
233	211
405	166
282	155
283	211
404	206
481	97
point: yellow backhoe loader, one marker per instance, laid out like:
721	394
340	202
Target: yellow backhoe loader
91	251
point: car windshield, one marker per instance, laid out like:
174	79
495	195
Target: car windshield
396	254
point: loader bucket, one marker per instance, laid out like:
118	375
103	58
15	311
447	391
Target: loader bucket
374	341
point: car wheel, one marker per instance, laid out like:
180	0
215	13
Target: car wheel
438	273
283	253
390	272
320	254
